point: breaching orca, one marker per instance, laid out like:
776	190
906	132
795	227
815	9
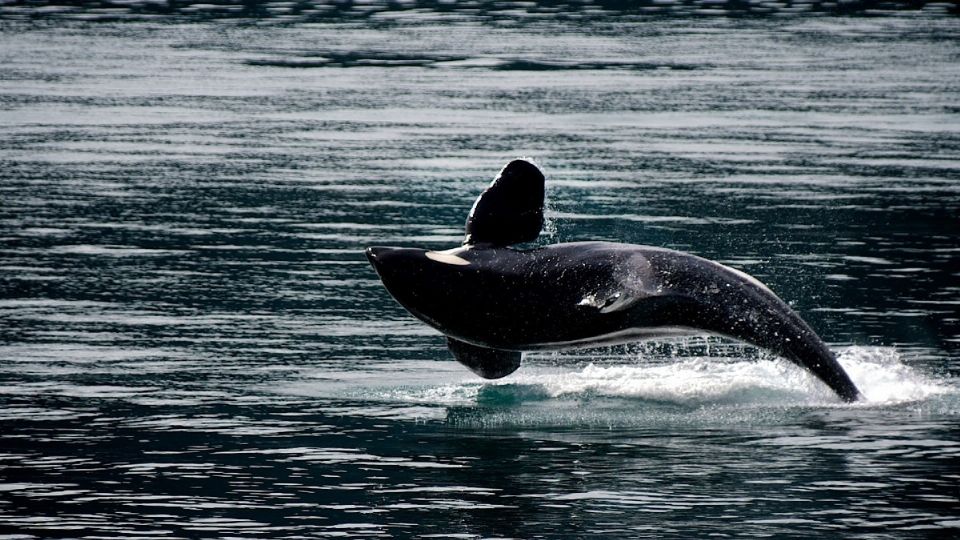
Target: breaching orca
492	301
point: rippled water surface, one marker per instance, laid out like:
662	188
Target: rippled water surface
192	343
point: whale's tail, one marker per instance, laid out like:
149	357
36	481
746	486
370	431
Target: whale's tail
785	333
748	311
813	354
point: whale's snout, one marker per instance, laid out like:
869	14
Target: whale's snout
373	254
379	256
402	272
376	253
396	266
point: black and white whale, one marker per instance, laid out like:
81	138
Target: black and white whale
493	301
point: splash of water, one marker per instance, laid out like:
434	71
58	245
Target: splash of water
879	372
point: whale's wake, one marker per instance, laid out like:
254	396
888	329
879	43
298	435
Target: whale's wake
880	373
640	389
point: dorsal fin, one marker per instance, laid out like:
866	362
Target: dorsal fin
510	210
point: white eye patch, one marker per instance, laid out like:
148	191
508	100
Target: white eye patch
446	258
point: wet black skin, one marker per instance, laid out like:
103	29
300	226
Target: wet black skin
575	295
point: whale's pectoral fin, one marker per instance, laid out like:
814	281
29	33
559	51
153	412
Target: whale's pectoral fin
487	363
510	210
619	301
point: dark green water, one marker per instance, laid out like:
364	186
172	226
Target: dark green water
192	343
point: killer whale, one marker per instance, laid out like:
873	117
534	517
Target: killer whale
493	302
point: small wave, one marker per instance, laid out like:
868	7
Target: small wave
352	59
542	65
387	60
113	251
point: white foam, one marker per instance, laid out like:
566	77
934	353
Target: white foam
649	386
884	379
692	381
879	372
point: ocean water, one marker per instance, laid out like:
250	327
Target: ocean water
192	344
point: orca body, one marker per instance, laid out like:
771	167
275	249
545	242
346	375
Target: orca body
493	302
